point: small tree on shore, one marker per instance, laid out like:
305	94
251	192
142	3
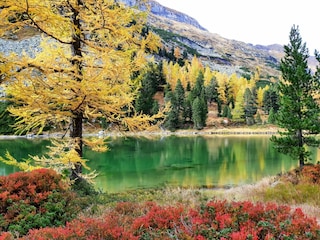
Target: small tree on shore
298	115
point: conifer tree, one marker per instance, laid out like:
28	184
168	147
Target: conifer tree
270	100
299	112
238	113
212	94
201	106
90	52
180	98
271	116
250	106
149	85
197	113
172	118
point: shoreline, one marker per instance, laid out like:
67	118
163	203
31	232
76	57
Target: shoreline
181	132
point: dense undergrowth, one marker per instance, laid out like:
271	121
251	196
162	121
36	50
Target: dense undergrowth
39	205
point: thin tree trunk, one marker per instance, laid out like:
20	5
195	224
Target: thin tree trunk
300	144
76	134
76	121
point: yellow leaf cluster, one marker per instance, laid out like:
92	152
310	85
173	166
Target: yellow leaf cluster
96	144
50	88
62	155
23	165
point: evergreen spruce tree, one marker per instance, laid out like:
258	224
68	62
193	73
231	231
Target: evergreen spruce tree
250	106
187	113
271	100
172	119
180	99
197	113
201	106
226	112
299	112
272	116
180	95
212	94
145	101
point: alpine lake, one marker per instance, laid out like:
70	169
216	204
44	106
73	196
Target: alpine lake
207	161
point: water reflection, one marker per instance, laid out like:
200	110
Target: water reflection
174	161
188	161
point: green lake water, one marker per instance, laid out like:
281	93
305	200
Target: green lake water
197	161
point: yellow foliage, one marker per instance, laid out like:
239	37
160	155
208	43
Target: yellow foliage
177	53
96	144
23	165
62	155
260	94
188	73
90	50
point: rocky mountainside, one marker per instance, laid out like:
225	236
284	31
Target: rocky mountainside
180	30
159	10
219	53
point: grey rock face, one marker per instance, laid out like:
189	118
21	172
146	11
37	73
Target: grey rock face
159	10
30	46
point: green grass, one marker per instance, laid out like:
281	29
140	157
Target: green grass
288	193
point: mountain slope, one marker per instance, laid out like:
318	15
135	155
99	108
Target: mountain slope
219	53
180	30
160	10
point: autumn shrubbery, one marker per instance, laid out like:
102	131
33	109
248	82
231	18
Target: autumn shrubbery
33	200
38	205
214	220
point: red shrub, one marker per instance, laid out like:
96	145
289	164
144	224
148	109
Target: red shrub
311	173
34	199
215	220
30	187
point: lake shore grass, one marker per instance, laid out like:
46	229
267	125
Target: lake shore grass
293	189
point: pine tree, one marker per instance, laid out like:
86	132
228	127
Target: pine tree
270	100
272	116
201	106
250	106
299	112
172	118
212	94
180	98
197	113
149	85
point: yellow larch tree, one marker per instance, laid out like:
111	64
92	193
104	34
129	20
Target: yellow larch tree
177	53
223	85
193	69
208	75
90	52
260	94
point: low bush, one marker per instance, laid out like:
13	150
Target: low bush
34	200
214	220
299	186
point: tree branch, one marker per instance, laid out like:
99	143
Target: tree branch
42	30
